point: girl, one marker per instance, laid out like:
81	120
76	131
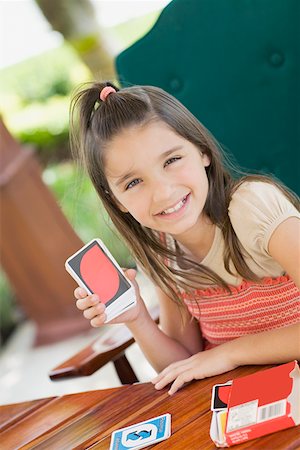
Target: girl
223	253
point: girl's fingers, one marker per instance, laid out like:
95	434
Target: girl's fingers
159	377
180	376
80	293
87	302
170	374
130	273
182	379
94	311
98	321
171	368
164	381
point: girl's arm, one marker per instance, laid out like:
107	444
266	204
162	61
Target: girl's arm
269	347
283	344
177	337
284	247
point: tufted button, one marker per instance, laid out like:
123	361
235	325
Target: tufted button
175	84
276	59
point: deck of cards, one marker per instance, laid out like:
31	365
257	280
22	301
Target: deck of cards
94	268
142	434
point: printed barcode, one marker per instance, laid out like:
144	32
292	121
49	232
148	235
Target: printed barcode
271	411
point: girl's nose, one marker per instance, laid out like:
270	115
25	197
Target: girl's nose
162	190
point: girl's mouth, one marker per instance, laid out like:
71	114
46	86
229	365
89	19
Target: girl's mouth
176	208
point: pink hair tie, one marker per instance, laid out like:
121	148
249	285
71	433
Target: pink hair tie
105	92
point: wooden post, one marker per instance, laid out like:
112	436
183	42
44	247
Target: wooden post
35	240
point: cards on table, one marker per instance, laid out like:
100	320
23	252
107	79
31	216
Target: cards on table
95	269
142	434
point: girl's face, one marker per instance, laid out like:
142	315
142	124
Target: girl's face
158	177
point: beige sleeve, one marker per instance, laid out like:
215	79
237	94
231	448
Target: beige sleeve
255	211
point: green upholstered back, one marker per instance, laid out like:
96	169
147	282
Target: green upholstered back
235	65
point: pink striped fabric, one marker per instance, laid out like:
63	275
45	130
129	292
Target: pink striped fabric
250	308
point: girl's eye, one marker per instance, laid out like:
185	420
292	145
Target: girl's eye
132	183
171	160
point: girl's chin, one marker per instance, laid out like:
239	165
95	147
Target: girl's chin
180	229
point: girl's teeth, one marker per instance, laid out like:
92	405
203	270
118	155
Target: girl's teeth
176	207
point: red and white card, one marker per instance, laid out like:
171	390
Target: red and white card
94	268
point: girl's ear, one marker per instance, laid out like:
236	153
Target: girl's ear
205	160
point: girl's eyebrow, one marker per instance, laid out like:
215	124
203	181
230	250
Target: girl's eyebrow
131	174
123	178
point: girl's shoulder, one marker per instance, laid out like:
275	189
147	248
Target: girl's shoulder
258	194
256	209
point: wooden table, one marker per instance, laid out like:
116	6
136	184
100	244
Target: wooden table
86	420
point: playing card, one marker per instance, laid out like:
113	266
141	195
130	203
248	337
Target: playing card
95	269
142	434
220	394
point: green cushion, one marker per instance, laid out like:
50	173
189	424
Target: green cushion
235	65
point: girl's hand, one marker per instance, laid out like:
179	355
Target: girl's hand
94	310
196	367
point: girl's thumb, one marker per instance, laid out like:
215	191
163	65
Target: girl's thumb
131	274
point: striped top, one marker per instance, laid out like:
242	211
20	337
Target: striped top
256	209
248	309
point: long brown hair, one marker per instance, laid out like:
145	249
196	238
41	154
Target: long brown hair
93	125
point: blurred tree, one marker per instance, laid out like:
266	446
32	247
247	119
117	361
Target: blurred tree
76	21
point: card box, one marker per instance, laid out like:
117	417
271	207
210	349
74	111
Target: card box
258	404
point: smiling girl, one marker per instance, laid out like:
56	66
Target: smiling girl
223	253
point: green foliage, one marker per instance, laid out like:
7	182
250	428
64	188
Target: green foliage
34	99
34	94
41	77
45	126
9	312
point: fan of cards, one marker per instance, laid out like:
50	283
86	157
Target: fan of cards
142	434
95	269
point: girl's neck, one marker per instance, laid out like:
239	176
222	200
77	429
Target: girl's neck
196	245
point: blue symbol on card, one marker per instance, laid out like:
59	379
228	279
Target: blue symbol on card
143	434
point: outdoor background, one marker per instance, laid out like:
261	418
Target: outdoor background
48	47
